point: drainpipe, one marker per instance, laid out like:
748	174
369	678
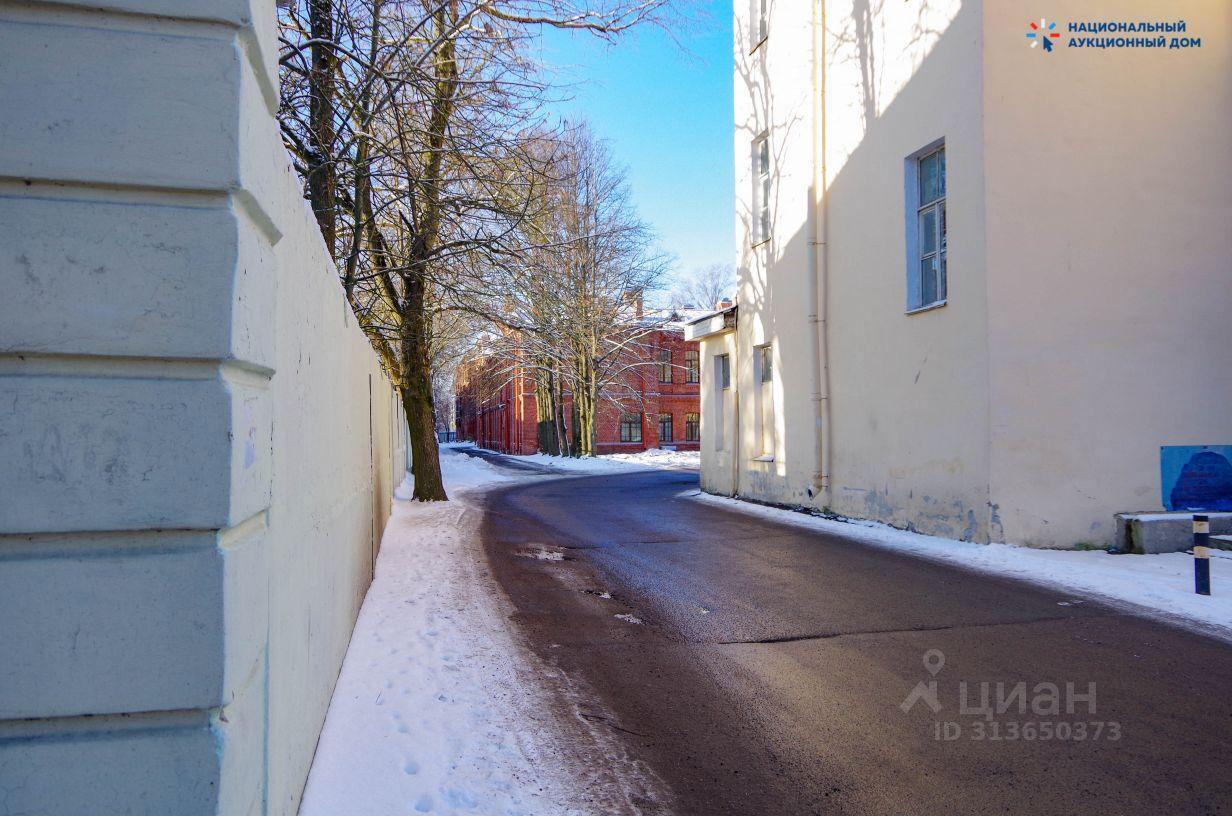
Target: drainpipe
820	488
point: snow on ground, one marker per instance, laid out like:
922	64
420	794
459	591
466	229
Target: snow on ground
609	462
659	458
437	710
1160	584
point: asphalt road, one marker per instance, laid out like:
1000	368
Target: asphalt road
771	666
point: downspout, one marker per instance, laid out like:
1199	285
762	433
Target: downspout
820	487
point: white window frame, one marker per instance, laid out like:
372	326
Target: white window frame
763	397
914	213
722	363
759	22
761	160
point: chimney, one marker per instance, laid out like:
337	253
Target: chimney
634	297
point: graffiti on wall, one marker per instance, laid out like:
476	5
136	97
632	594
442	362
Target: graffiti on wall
1196	477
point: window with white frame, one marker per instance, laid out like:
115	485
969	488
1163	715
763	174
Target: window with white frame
761	189
926	231
763	399
722	381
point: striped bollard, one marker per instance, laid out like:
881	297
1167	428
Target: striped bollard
1202	554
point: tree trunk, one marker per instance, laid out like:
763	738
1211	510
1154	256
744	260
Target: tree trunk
563	443
585	399
321	175
416	392
545	415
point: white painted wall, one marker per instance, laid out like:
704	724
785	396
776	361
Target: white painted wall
198	446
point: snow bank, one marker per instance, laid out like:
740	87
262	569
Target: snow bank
1161	585
436	709
659	458
611	462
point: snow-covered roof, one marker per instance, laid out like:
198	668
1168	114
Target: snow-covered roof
676	318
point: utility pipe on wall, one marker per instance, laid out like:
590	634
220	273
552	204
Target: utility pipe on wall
820	488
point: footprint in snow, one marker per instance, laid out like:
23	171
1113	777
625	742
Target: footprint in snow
458	798
410	768
424	803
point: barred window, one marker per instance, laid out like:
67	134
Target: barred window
692	366
692	427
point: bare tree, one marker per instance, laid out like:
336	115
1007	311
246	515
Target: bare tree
704	287
570	316
417	127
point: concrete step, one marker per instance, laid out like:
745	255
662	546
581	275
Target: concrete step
1167	532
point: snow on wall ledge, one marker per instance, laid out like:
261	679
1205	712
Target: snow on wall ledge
197	446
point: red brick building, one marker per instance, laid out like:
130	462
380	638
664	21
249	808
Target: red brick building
658	405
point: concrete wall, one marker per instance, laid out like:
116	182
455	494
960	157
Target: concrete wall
197	446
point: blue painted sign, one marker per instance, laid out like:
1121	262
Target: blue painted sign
1196	477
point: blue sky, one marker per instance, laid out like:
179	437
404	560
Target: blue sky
666	111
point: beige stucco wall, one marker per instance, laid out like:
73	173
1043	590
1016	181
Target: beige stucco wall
198	446
929	467
1090	230
720	409
909	393
1109	184
773	93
